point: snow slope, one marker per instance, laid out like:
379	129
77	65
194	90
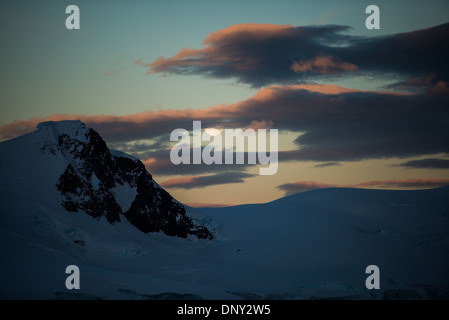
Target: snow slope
311	245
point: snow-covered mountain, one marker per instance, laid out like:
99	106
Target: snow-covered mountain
89	177
66	199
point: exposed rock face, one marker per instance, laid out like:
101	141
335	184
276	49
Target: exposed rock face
113	184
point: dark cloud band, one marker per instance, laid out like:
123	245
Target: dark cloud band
430	163
301	186
261	54
333	124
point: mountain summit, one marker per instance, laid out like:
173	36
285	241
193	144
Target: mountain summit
74	165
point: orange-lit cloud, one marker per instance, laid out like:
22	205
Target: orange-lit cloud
256	125
248	51
249	31
333	124
177	182
211	55
441	87
111	124
323	64
266	54
138	122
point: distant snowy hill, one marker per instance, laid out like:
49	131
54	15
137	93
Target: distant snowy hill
66	199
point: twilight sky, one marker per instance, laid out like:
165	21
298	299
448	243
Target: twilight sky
354	107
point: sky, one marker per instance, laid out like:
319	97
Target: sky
354	107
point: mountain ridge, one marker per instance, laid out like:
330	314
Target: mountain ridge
94	178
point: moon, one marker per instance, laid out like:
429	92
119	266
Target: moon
213	131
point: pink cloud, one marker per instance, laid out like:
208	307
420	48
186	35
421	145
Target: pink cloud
212	55
220	48
246	30
333	124
441	87
264	54
116	123
179	182
323	64
113	123
256	125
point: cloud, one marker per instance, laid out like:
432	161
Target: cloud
333	124
264	54
159	163
416	82
257	54
327	164
208	205
301	186
256	125
422	84
323	64
441	87
406	183
429	163
192	182
114	68
142	147
112	72
144	125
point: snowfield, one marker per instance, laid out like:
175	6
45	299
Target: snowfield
312	245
